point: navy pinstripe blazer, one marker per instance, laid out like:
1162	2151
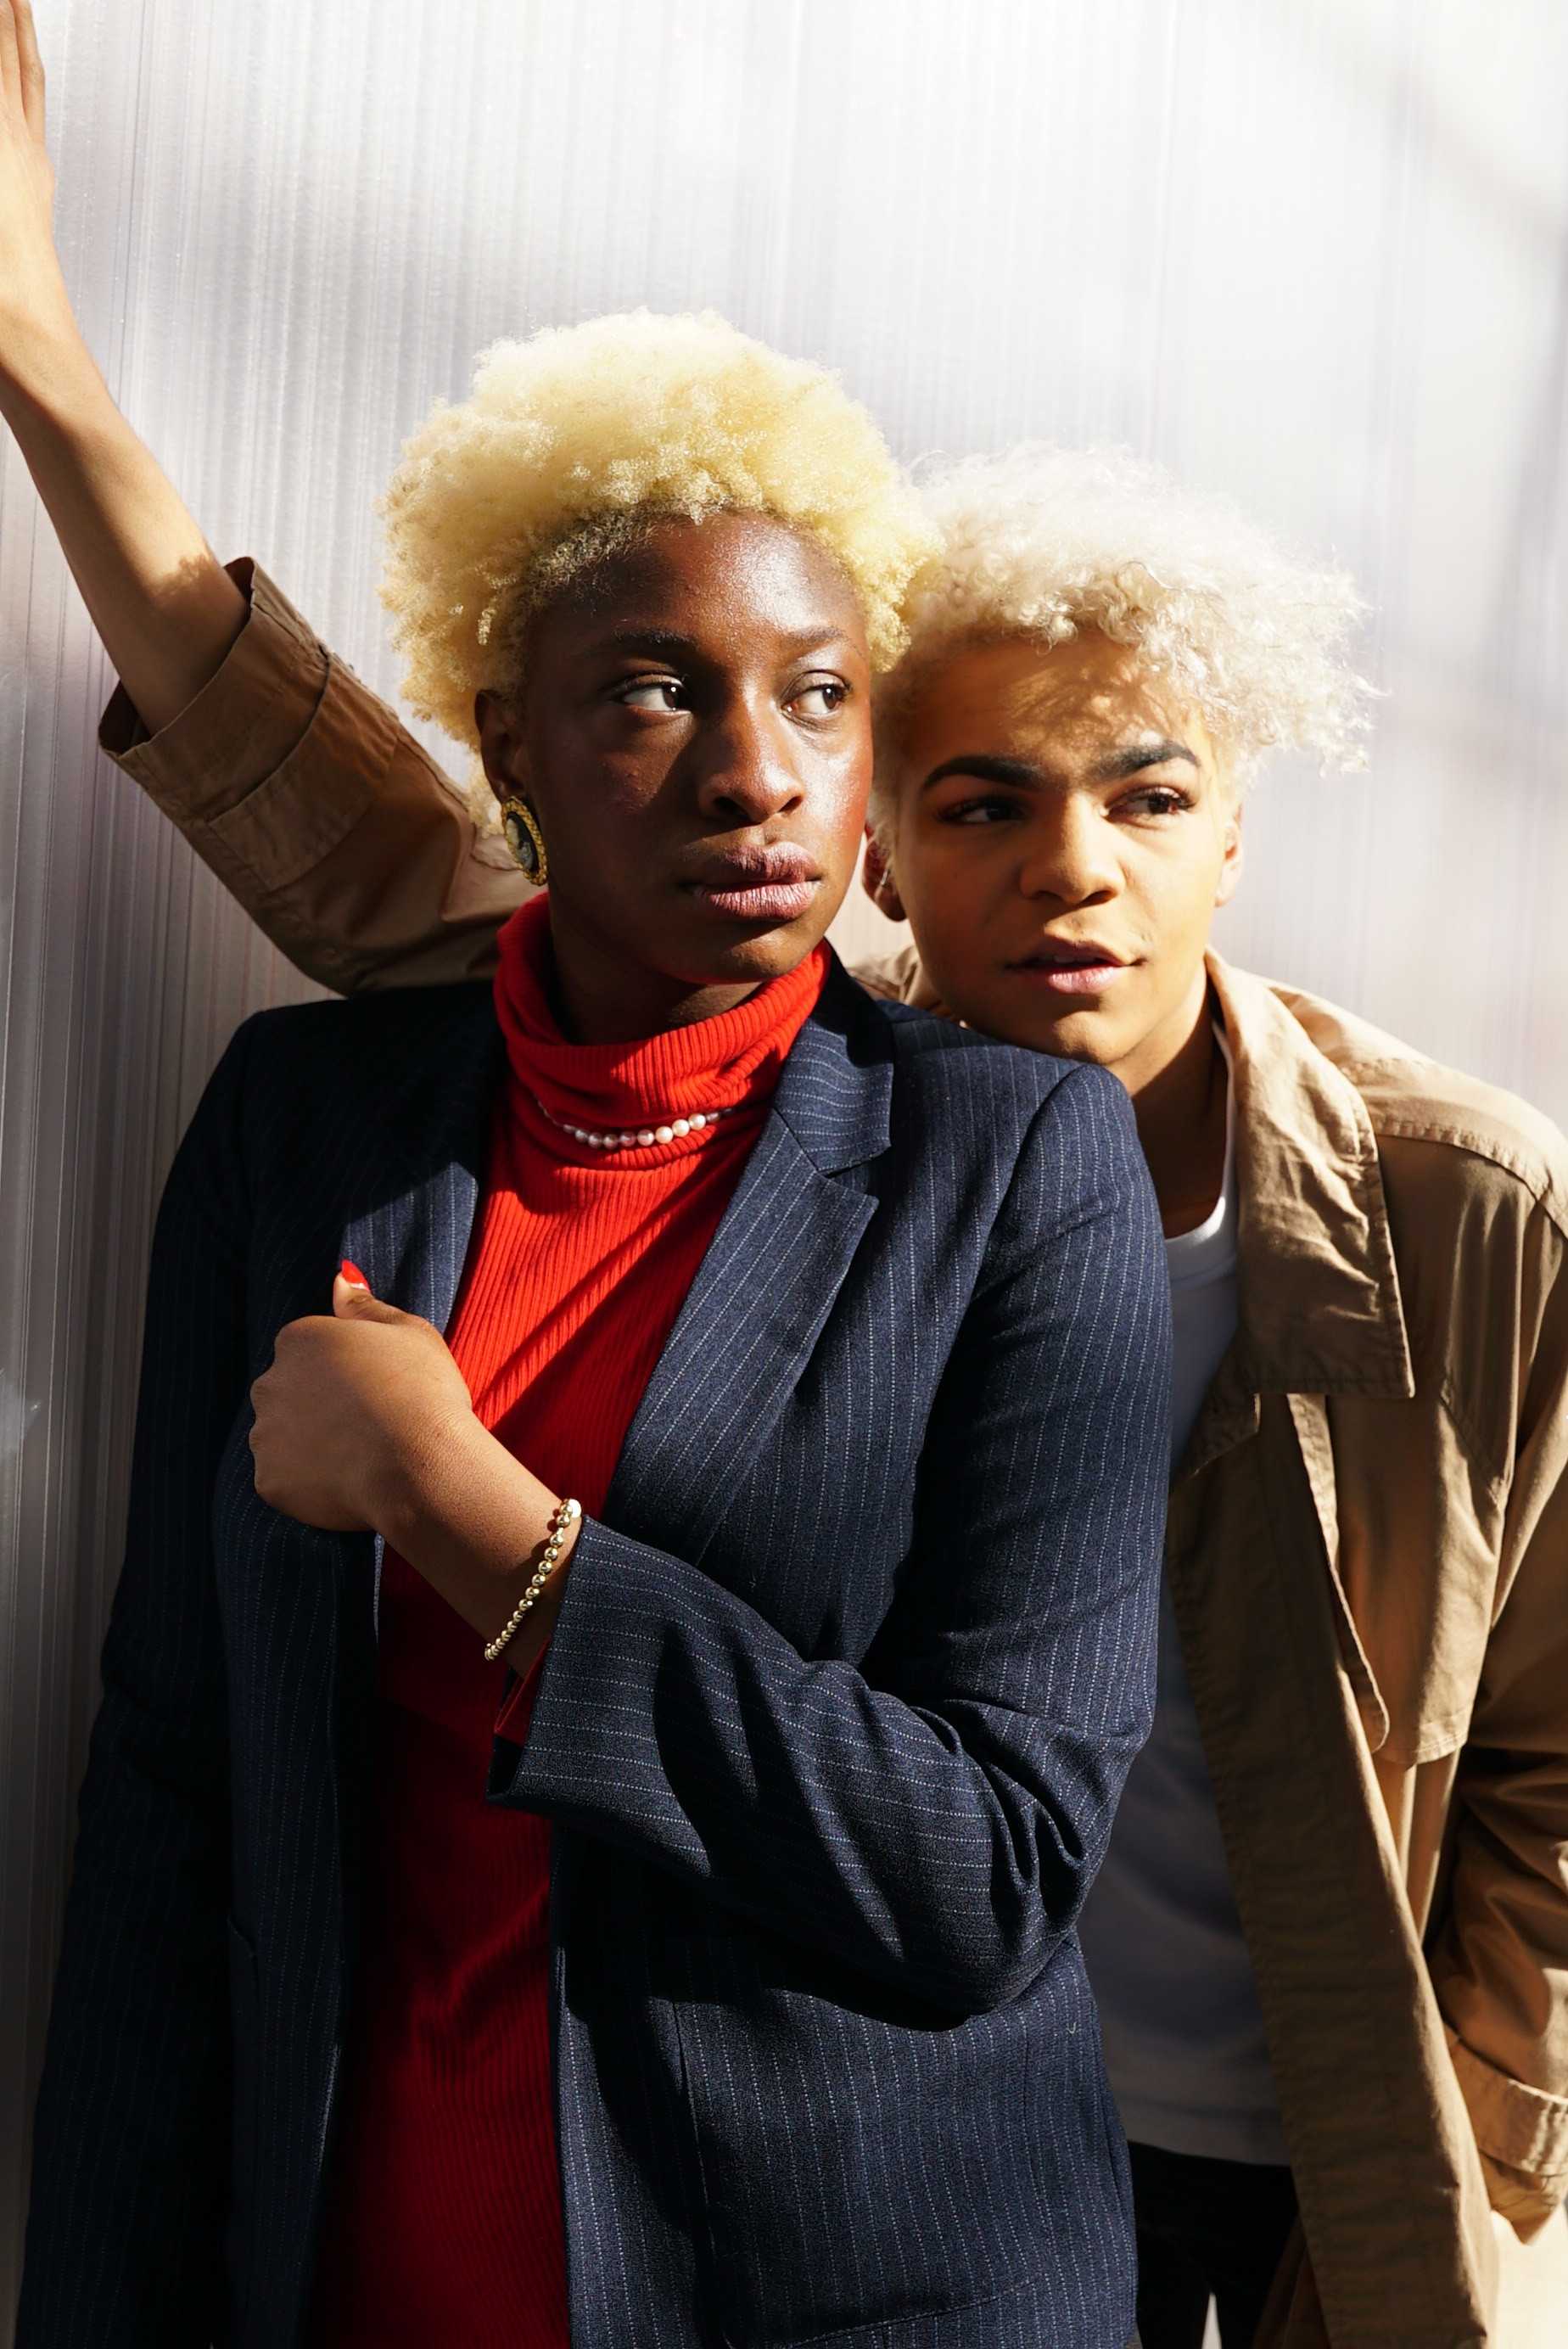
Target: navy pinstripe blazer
832	1727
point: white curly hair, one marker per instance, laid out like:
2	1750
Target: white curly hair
1044	542
573	440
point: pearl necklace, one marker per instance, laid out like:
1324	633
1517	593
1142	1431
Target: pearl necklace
675	1129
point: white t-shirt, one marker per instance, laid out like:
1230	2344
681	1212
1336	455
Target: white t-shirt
1183	2035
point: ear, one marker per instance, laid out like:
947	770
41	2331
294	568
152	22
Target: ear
877	881
1230	879
503	752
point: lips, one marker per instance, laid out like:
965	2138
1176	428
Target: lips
775	883
1070	965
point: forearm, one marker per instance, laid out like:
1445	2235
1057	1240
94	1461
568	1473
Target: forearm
930	1810
1498	1957
921	1844
1499	1966
264	753
162	604
320	814
470	1519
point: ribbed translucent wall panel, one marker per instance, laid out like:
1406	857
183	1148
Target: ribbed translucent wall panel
1315	253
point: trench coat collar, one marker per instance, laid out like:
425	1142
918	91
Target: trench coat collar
1319	1307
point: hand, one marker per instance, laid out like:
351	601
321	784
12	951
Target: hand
33	296
353	1411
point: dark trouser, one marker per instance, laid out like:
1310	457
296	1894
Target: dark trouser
1205	2228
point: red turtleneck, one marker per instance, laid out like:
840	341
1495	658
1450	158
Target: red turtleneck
442	2218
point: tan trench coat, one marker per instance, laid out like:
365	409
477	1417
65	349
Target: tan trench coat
1367	1544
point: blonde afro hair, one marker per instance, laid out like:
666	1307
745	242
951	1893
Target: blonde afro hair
573	439
1043	541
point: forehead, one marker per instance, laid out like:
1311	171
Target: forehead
724	575
1047	702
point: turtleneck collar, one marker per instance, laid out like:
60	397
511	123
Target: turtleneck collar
728	1065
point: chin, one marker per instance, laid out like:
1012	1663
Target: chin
1076	1034
768	954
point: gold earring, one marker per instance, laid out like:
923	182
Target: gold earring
525	840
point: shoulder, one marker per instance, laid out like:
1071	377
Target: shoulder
1452	1137
937	1059
983	1117
358	1034
299	1081
928	1038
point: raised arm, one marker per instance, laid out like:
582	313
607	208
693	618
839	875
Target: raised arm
165	608
310	801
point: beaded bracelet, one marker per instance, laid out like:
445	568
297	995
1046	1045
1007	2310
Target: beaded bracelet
562	1519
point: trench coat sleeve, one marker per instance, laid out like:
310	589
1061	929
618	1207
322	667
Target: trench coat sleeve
1500	1964
318	809
131	2143
935	1817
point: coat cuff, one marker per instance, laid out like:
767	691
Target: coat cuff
1521	2133
516	1714
229	769
536	1755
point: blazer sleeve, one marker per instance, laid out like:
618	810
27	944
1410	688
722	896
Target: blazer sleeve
1500	1963
132	2140
318	809
934	1818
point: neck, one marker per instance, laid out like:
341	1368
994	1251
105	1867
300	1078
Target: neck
598	998
1177	1084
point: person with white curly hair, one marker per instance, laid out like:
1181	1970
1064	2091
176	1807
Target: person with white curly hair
1329	1942
1330	1939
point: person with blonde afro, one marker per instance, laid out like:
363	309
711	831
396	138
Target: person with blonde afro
641	1573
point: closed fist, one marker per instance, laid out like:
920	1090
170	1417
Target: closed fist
351	1412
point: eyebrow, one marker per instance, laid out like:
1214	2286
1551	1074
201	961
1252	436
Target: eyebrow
1133	761
669	644
658	643
984	769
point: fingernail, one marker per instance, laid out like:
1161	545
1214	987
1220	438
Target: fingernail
352	1274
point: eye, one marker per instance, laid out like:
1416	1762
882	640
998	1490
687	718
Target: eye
991	809
658	694
820	697
1157	799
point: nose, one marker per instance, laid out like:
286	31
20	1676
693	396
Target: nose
746	770
1070	856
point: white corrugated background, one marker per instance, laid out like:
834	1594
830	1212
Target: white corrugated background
1314	253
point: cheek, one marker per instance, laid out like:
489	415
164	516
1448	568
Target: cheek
838	792
966	881
594	807
1176	907
953	906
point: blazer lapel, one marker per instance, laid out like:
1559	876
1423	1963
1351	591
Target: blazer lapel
412	1242
767	1284
764	1288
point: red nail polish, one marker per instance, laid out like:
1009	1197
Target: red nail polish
352	1274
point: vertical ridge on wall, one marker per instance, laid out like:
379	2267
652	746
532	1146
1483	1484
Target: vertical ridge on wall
1315	258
